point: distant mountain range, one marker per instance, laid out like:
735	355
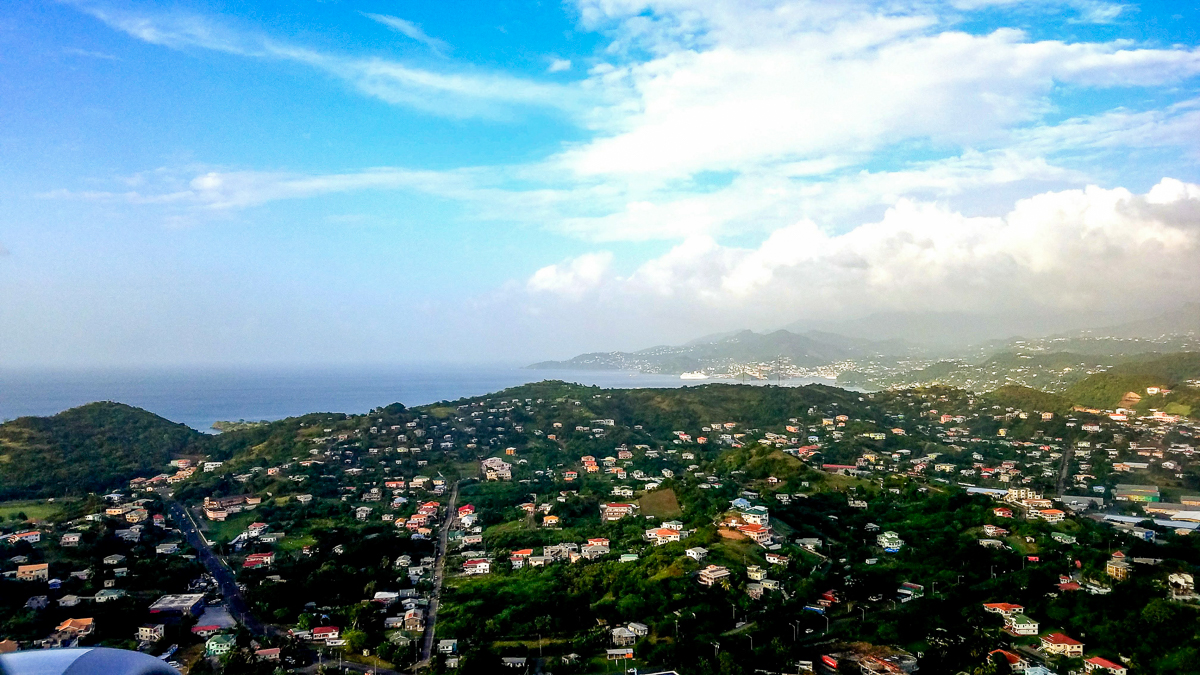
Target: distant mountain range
813	348
966	338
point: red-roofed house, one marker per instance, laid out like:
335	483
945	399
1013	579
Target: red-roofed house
1099	663
1003	608
616	511
1058	643
257	560
1015	663
326	633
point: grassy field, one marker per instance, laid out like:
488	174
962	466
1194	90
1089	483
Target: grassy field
33	510
296	543
230	528
660	504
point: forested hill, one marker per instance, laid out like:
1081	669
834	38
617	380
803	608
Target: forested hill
1171	371
92	448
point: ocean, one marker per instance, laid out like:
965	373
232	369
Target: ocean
200	397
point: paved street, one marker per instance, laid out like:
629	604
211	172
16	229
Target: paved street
216	567
438	574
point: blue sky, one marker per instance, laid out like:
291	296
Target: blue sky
381	182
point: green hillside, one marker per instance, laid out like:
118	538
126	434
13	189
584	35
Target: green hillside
1105	390
92	448
1028	399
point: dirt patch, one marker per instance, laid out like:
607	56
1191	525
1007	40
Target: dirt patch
660	504
731	534
1129	400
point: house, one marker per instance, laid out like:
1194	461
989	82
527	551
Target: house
1059	643
257	560
513	661
68	601
477	567
179	604
616	511
76	628
37	603
639	629
220	644
29	537
70	539
1003	608
889	542
550	521
167	548
593	551
623	637
1015	663
662	535
37	572
760	534
269	654
697	553
777	559
1048	515
756	573
1117	568
114	559
447	646
1019	624
151	632
619	653
414	619
106	594
712	574
326	633
206	631
1104	665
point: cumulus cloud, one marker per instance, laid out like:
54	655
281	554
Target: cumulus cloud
573	277
1090	247
410	30
559	65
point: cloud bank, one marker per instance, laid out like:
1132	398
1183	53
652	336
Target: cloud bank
1071	249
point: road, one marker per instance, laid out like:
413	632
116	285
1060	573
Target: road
216	567
438	567
1066	467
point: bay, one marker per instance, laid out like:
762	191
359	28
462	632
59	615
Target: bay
199	397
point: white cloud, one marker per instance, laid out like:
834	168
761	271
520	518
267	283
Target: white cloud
559	65
1085	248
733	86
573	277
88	53
411	30
464	93
226	190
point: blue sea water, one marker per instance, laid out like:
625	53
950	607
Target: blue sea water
199	397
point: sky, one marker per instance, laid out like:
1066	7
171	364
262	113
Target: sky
392	181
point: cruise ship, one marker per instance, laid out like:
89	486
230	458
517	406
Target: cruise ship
694	375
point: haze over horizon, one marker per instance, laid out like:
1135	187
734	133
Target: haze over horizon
193	183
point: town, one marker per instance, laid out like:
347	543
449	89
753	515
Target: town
706	529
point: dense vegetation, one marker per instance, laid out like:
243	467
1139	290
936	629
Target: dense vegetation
1105	390
92	448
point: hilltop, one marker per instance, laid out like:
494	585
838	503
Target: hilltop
92	448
